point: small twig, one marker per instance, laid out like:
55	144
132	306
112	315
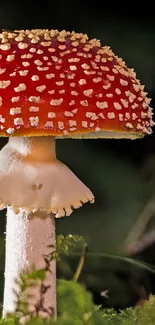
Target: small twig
141	244
141	223
80	264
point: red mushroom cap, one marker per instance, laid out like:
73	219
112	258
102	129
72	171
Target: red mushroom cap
63	84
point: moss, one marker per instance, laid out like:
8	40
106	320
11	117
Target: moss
75	307
75	303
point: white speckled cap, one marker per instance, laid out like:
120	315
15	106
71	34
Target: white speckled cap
66	85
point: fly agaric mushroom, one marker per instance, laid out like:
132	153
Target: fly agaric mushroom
55	85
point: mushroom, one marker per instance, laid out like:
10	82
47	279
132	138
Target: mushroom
54	85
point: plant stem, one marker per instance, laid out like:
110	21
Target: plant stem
80	264
145	266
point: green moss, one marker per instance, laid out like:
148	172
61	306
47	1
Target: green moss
71	293
74	302
75	307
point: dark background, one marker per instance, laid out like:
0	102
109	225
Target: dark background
121	173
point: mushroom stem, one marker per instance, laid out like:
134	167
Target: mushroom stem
35	187
28	237
34	149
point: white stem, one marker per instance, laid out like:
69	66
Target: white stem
33	183
27	239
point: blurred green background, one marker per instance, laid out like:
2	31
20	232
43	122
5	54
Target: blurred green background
119	172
